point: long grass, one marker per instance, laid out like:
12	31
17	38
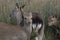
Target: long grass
45	7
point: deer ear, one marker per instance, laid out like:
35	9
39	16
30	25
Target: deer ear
17	5
22	6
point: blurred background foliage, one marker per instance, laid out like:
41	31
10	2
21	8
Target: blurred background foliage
44	7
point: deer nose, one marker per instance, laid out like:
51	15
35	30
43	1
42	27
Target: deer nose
28	22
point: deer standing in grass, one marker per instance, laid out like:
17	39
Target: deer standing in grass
38	27
53	23
17	32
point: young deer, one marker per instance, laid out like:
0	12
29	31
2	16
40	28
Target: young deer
28	24
17	32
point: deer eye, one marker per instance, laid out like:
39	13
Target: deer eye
31	18
25	18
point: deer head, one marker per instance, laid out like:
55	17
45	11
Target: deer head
17	13
52	20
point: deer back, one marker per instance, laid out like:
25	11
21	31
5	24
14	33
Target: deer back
11	32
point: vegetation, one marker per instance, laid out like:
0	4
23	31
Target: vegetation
45	7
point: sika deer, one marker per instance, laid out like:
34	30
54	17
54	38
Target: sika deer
37	25
11	32
17	32
53	23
